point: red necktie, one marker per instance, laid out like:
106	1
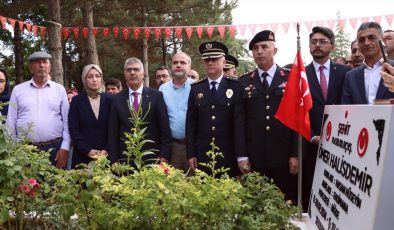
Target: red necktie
323	82
135	102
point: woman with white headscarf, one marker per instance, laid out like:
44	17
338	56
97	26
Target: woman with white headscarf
88	117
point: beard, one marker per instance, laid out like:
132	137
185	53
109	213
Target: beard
179	74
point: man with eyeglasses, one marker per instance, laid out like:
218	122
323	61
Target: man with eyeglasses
364	84
150	103
162	75
325	79
357	58
215	114
176	93
271	146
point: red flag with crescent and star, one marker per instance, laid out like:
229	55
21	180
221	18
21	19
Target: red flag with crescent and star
294	108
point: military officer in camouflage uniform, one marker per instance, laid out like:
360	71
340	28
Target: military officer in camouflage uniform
271	146
215	113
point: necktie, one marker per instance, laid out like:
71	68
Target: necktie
213	88
323	82
265	82
135	101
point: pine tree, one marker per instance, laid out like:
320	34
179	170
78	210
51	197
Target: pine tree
342	41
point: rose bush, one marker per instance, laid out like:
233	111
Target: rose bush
35	195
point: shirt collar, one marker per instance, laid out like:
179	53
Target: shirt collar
47	83
377	64
187	82
217	80
271	71
139	90
317	65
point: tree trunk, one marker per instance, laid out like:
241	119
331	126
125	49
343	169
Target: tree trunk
18	51
54	40
145	60
87	11
164	50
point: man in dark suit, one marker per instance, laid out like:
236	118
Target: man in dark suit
325	79
215	114
271	146
363	84
151	102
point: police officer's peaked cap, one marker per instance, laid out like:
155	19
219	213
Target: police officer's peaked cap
324	30
38	56
212	49
231	62
262	36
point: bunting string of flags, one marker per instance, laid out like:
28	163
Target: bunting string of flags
179	31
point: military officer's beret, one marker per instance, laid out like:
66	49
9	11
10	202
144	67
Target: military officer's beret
212	49
231	62
265	35
38	56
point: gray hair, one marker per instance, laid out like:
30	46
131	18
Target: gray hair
369	25
133	60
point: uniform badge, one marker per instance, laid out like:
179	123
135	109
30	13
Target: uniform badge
200	95
282	73
283	85
229	93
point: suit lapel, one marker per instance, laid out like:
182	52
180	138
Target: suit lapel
381	90
331	81
102	108
257	82
314	83
360	82
276	80
145	100
222	87
88	107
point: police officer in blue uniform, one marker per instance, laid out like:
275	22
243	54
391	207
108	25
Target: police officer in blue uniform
271	146
215	113
230	66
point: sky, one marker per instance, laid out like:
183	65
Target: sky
283	11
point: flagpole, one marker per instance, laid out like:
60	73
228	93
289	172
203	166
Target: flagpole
299	198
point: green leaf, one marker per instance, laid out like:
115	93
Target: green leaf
4	216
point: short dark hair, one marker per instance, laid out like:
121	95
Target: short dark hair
163	68
387	31
369	25
324	30
113	81
354	41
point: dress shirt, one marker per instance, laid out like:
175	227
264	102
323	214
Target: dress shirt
217	81
372	80
271	73
44	108
131	97
326	70
176	99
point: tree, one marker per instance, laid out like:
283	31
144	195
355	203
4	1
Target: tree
54	40
342	41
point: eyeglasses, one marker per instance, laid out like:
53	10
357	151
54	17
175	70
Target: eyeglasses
371	38
319	41
129	70
2	80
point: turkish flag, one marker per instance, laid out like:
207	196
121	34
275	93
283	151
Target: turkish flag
294	108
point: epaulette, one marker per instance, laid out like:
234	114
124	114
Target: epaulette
232	78
199	81
249	74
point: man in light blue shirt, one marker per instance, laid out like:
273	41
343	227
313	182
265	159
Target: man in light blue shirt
176	93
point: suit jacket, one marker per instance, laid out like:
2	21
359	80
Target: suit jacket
334	92
86	131
156	123
269	143
354	88
219	119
